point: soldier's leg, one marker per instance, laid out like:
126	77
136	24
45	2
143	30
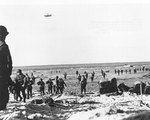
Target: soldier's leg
28	93
85	89
43	91
54	87
31	92
24	94
18	94
61	90
48	89
51	90
81	89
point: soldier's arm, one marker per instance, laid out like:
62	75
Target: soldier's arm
65	84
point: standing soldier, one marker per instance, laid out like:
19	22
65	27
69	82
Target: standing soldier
92	76
83	85
77	72
50	85
5	68
42	86
65	75
115	71
118	72
54	86
29	84
61	85
79	78
57	85
21	81
17	90
126	71
130	71
32	78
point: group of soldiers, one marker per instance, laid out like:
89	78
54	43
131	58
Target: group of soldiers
129	70
22	84
82	79
55	86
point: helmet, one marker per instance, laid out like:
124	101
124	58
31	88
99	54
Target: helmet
19	71
3	31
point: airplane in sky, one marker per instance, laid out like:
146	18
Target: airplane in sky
47	15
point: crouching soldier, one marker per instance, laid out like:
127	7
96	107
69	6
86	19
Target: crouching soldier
50	85
42	86
83	85
61	85
20	85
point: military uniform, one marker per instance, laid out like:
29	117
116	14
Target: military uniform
29	84
22	84
42	87
50	85
83	85
5	70
61	85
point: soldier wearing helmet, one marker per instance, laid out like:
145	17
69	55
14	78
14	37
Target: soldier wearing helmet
5	68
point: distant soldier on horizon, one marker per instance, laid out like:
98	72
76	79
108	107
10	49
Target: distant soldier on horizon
77	72
92	76
126	71
118	72
130	71
65	75
115	71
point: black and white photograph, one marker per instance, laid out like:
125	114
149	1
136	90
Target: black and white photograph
74	60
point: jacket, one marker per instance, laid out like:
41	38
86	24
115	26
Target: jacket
5	61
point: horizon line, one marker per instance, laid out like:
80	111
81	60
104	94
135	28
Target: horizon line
79	64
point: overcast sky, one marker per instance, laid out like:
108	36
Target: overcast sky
78	31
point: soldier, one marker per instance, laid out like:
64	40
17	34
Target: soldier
61	85
21	84
126	71
92	76
130	71
77	72
17	90
79	78
29	84
86	74
54	86
65	75
57	85
83	85
115	71
135	70
50	85
42	86
33	78
118	72
5	68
